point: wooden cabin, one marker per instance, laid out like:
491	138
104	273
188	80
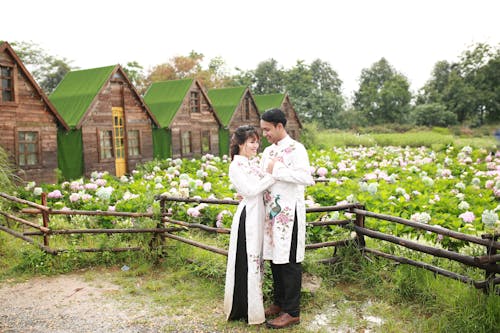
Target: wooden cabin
110	125
189	126
234	107
28	121
281	101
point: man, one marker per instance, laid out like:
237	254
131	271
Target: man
285	221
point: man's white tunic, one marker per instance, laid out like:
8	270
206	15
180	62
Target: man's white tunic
285	198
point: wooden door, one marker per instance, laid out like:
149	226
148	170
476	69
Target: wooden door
119	135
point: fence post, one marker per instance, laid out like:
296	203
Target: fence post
490	251
360	222
45	217
159	239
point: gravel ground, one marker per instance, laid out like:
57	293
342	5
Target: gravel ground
68	303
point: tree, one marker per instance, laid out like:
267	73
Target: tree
315	91
179	67
383	95
432	91
135	73
182	67
468	88
268	78
47	70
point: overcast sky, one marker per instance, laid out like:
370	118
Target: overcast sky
349	35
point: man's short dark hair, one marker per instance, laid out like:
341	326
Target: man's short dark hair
275	116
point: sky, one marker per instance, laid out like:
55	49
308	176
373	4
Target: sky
350	35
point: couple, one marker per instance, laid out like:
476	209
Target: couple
269	223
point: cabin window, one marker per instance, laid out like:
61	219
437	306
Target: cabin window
28	152
7	85
205	142
106	144
134	147
195	101
186	143
247	108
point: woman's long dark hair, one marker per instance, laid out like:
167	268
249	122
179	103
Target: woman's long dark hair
239	137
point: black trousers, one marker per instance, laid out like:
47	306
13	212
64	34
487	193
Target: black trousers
287	279
239	309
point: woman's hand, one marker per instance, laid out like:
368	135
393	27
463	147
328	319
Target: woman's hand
270	166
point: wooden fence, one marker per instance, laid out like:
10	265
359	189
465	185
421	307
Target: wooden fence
488	262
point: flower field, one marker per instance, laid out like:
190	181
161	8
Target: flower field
456	189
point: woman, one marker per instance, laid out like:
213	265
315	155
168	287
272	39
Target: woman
244	274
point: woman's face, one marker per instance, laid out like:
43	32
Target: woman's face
249	147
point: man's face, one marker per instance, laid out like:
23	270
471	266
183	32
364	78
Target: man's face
270	131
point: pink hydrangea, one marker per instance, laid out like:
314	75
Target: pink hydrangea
100	182
193	212
207	187
467	217
74	197
322	171
76	186
56	194
90	186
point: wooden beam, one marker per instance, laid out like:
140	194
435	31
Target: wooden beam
436	229
194	243
103	231
198	225
468	260
343	242
26	202
87	212
26	222
27	239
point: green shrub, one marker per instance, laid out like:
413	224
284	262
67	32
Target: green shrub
7	174
433	115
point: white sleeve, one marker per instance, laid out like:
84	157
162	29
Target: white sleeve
299	172
246	185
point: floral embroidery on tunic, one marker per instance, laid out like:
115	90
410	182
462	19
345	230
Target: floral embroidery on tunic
251	168
258	262
282	221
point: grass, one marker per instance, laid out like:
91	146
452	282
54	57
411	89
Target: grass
437	138
187	286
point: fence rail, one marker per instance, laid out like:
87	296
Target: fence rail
166	227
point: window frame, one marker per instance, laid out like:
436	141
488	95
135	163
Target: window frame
246	108
13	69
139	146
183	153
202	136
99	147
194	101
39	162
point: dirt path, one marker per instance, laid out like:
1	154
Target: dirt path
72	303
68	303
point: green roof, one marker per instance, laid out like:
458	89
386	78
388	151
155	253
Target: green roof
165	99
225	102
266	102
75	93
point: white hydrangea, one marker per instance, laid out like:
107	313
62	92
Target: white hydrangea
421	217
428	181
489	217
104	193
37	191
